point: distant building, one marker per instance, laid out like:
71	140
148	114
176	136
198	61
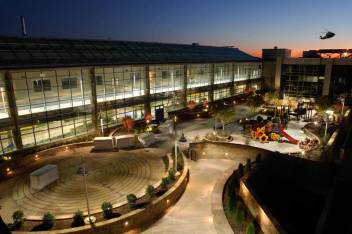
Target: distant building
313	75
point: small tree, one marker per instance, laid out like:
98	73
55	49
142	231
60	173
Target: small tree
128	123
78	219
240	170
132	200
239	216
107	209
250	228
48	220
248	165
18	218
164	183
172	175
149	191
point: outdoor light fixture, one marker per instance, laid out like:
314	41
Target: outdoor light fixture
36	157
315	123
126	223
66	148
167	201
329	113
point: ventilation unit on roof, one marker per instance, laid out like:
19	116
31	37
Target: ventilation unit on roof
23	26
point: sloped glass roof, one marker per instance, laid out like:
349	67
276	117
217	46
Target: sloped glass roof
16	52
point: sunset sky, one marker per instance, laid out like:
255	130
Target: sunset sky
249	25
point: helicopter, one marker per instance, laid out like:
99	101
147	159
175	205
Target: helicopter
327	35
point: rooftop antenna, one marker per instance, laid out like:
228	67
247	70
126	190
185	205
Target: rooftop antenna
23	26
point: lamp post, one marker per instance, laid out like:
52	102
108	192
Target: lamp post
328	114
343	105
175	120
175	166
89	219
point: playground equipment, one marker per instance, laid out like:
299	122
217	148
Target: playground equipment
266	130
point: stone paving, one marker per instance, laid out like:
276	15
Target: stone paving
111	176
193	212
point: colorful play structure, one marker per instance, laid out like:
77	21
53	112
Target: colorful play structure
266	130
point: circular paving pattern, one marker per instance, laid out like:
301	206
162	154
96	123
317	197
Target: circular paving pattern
111	176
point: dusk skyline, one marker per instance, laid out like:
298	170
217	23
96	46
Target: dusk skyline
249	26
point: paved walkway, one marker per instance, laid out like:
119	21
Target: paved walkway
192	213
111	176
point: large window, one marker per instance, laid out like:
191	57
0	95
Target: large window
4	107
69	83
302	80
222	73
165	78
114	116
246	71
65	125
7	143
170	104
40	91
197	97
113	83
222	93
198	75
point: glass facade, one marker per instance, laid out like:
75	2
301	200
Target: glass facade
341	81
170	104
166	78
198	75
7	143
58	103
222	93
198	97
222	73
113	83
54	104
245	71
4	106
302	80
113	117
47	90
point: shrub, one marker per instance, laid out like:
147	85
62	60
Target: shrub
248	165
18	219
164	183
78	219
240	170
239	216
250	228
150	190
48	220
107	209
232	202
258	159
172	175
132	200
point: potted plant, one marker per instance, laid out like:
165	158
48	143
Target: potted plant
78	219
107	209
18	218
48	220
149	191
132	200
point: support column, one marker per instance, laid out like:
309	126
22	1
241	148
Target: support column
327	74
93	99
184	94
211	92
232	84
277	81
13	110
147	107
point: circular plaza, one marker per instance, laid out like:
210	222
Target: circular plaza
110	177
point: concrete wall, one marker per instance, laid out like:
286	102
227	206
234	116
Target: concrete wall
226	151
266	221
